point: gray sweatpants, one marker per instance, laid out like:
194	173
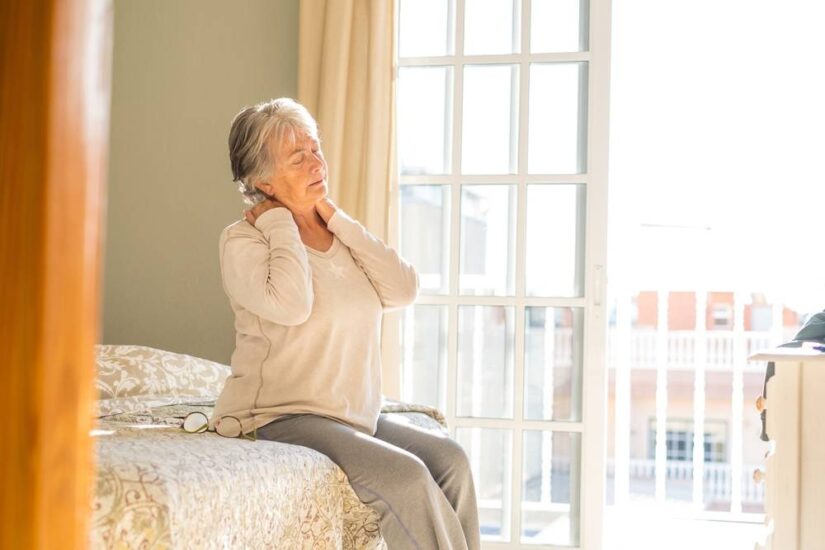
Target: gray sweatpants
419	481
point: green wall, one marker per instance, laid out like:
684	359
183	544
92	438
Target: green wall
181	70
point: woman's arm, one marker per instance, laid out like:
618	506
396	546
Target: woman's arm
395	280
269	274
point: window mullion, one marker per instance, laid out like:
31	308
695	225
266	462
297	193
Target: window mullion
493	59
455	213
455	195
452	367
539	301
521	250
549	179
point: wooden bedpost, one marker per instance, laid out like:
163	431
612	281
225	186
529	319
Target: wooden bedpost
55	79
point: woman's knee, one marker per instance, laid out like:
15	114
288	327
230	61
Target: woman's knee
405	473
451	457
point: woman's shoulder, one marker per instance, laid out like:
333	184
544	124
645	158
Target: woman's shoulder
240	229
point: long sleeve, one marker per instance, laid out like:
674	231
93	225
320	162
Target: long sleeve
394	279
267	271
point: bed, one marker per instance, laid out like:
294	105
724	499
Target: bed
158	486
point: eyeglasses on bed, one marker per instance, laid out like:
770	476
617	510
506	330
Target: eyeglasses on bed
226	426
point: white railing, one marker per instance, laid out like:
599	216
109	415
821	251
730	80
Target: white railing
698	351
717	483
717	478
681	348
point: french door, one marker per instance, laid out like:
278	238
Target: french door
502	110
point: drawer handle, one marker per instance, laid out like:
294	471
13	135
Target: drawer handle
758	476
761	403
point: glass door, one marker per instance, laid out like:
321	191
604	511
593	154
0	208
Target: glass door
502	110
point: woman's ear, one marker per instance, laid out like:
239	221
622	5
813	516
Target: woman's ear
267	189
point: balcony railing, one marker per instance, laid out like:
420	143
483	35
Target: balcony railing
681	345
697	351
717	478
682	352
717	482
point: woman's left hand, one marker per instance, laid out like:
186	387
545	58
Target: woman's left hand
325	208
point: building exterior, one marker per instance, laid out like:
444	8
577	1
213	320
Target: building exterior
721	440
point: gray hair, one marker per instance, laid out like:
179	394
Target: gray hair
251	132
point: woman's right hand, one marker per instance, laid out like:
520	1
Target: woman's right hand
267	204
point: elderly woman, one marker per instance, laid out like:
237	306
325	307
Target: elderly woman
308	285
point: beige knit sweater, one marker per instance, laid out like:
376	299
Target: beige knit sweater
307	322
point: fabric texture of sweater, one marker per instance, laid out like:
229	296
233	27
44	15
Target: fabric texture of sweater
307	322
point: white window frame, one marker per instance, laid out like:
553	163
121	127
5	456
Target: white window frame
593	301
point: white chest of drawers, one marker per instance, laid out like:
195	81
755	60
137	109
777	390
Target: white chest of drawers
795	469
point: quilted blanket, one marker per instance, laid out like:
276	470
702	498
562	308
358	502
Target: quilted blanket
160	487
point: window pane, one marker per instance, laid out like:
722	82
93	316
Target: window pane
489	27
485	361
557	132
425	231
550	503
555	240
490	453
424	28
489	119
553	363
424	119
488	235
424	355
558	26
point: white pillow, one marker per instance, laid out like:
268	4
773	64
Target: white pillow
136	378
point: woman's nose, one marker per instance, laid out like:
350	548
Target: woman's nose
316	164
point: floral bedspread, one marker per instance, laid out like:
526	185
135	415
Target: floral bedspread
160	487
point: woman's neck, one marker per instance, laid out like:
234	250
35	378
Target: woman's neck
308	221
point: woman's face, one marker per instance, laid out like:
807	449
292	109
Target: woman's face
300	177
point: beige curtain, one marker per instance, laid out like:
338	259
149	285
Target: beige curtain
345	79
